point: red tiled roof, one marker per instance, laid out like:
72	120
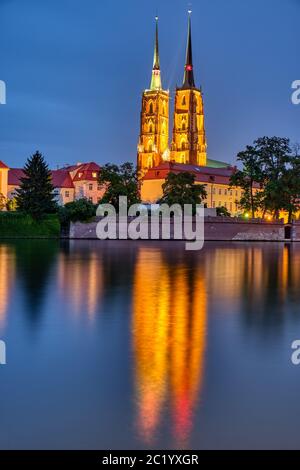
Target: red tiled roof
61	179
85	171
2	165
204	174
14	176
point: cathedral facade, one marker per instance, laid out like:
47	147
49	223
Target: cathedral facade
188	144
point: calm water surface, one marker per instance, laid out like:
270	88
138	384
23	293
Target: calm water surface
144	345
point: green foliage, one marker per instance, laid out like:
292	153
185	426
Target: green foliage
246	179
35	195
118	181
2	202
272	164
223	212
19	225
81	210
11	205
181	189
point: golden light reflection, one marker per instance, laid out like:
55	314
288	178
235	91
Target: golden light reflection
169	331
81	279
7	277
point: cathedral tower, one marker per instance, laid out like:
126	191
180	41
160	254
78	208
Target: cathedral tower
189	140
154	128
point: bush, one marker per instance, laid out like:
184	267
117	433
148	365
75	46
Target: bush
20	225
81	210
223	212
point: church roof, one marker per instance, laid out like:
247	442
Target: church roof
188	80
203	173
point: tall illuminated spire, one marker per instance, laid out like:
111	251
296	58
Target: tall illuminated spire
188	80
156	79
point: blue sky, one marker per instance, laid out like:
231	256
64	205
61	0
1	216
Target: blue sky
75	71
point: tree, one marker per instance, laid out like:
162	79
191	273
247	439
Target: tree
222	212
2	202
35	195
247	178
181	189
119	181
81	210
274	156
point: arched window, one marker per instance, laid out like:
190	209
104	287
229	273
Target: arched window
182	159
182	145
150	162
183	125
151	108
150	146
151	129
183	101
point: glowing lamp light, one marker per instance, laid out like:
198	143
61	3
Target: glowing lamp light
247	216
189	68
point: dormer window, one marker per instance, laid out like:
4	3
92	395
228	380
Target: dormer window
94	174
80	175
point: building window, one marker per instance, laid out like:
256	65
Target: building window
231	207
151	129
225	204
220	204
90	187
183	101
220	191
94	174
99	187
231	193
151	108
214	191
79	175
67	193
225	192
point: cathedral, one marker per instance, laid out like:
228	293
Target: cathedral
186	150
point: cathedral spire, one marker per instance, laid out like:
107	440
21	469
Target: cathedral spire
188	81
156	79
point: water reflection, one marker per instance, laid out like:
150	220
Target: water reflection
191	326
7	277
169	336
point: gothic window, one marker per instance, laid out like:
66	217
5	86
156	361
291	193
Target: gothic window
150	162
183	126
164	108
183	101
150	146
182	145
151	129
151	108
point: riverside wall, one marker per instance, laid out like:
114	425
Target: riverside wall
215	229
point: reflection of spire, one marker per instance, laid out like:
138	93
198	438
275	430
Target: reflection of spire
169	344
188	80
156	78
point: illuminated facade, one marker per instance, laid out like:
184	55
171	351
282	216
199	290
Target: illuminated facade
70	183
154	129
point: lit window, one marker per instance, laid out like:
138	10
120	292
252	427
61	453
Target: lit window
94	174
79	175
